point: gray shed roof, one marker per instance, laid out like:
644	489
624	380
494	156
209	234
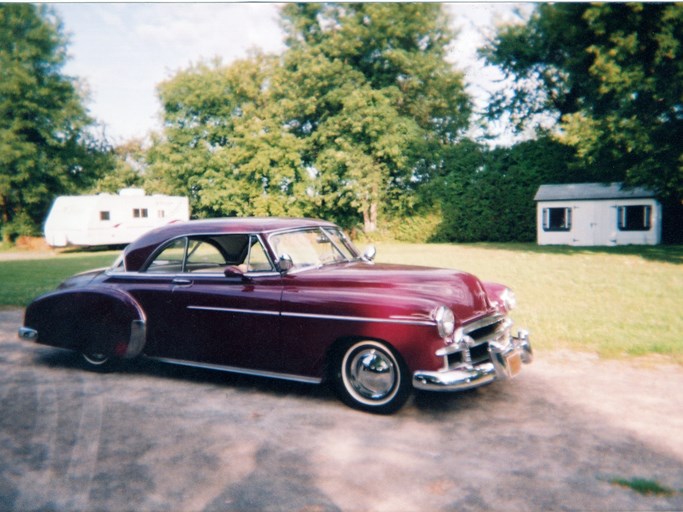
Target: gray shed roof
589	191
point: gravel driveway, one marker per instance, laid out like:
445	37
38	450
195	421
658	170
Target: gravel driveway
156	437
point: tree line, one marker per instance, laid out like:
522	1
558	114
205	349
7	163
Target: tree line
363	120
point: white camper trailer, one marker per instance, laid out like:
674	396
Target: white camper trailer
110	219
588	214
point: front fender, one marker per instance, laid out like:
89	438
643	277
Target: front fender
107	321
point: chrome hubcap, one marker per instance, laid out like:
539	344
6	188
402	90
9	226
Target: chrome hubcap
372	374
95	359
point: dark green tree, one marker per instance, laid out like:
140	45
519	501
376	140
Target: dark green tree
612	76
488	194
45	146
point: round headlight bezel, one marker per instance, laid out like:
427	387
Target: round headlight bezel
445	321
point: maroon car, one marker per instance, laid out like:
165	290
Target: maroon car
286	298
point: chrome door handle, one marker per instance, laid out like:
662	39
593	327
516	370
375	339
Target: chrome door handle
179	281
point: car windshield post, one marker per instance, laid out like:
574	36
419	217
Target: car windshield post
339	241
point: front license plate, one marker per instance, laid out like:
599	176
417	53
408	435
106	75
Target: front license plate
514	362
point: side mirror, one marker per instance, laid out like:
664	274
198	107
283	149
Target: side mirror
285	263
370	253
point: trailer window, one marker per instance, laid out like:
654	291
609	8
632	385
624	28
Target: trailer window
140	213
634	218
104	215
557	219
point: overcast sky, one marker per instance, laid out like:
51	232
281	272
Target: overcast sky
121	51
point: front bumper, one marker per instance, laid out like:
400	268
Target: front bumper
506	361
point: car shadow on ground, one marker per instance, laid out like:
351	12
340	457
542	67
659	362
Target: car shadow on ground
152	368
428	404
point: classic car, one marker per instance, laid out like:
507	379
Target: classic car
286	298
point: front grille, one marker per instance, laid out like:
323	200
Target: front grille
480	353
482	332
454	359
488	329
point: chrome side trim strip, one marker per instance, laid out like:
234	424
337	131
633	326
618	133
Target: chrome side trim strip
242	371
234	310
390	320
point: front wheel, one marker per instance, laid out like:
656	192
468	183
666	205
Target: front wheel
370	376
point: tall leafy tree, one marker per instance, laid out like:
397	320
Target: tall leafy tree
367	89
223	145
612	75
45	148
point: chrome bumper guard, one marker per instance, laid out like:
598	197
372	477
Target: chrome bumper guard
506	362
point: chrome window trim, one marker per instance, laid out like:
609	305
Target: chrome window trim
189	275
162	246
242	371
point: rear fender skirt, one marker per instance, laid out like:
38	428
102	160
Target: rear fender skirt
108	321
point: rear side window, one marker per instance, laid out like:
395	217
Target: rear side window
170	260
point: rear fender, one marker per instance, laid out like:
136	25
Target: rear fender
107	321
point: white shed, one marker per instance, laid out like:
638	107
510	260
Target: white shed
597	214
110	219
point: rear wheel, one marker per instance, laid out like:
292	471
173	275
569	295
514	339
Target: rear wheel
96	361
370	376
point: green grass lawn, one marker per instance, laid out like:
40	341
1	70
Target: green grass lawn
22	280
615	302
612	301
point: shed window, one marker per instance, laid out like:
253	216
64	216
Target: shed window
557	219
634	218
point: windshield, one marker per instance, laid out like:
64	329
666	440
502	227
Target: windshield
314	247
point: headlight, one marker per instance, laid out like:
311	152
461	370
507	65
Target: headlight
445	321
509	299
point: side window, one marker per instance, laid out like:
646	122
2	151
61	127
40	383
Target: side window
203	256
170	260
258	259
634	218
557	219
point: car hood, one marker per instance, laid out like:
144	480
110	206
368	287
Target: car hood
461	291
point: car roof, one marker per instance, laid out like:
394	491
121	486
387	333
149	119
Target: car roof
137	253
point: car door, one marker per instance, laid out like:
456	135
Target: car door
229	319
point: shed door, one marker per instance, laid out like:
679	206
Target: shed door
584	224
